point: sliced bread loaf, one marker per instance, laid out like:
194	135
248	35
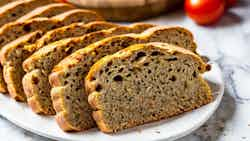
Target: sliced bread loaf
12	11
49	10
12	55
39	65
68	76
14	30
68	84
145	83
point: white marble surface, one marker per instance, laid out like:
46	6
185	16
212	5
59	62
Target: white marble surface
227	43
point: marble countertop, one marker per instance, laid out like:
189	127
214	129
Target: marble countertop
227	43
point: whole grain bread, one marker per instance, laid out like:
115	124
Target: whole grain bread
12	55
14	30
145	83
39	65
67	82
12	11
68	76
49	10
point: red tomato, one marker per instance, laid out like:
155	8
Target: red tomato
205	11
231	3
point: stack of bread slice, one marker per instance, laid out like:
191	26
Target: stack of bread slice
87	72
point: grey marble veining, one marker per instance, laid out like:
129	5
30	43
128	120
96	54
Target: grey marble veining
228	44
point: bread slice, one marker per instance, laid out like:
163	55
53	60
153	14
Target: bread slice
4	2
49	10
72	30
12	55
39	65
14	30
145	83
12	11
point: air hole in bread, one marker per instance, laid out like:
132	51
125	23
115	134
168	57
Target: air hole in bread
13	15
118	78
35	80
172	59
145	64
185	85
106	69
128	75
194	74
110	63
120	70
69	50
125	44
101	71
149	71
156	53
27	28
139	55
173	78
65	82
98	88
67	75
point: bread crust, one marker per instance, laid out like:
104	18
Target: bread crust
49	10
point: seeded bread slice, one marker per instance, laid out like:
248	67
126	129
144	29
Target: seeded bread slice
12	55
39	65
16	9
49	10
72	30
145	83
14	30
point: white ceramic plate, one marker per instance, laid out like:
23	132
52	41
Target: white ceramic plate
169	129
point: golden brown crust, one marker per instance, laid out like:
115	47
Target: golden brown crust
88	15
46	11
97	115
